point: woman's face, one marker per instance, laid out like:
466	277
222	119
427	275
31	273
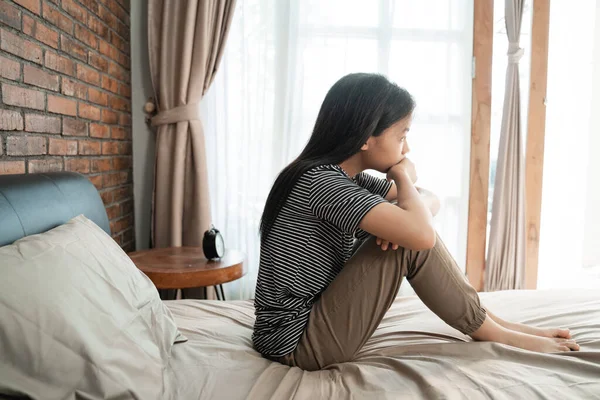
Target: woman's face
388	149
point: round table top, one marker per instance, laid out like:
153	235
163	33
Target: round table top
186	267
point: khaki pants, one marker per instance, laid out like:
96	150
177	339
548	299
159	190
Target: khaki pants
351	308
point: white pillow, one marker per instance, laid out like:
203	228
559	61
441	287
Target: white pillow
78	319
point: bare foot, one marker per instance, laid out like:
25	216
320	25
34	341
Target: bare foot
532	330
492	331
539	343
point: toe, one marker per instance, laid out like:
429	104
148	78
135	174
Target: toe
563	333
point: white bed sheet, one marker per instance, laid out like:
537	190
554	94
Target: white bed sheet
412	355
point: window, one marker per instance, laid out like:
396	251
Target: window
280	60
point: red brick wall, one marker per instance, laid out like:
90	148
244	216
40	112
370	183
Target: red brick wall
65	96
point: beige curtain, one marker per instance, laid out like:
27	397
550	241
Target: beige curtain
186	39
505	264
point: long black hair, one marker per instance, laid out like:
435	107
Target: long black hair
356	107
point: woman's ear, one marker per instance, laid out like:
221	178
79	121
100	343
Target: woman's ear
366	145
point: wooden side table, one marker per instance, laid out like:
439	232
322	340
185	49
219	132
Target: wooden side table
186	267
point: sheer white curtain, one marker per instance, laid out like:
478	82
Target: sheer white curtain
283	56
570	219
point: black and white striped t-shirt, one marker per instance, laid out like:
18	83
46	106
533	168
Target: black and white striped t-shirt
308	245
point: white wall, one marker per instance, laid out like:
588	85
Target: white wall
568	143
591	237
143	136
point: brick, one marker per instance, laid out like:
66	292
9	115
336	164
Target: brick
96	180
107	196
117	103
117	10
113	211
125	120
121	224
20	47
62	147
119	133
129	247
127	207
31	5
110	117
42	123
88	75
128	235
12	167
59	63
98	62
40	32
10	15
38	77
10	121
124	61
110	148
99	27
120	163
72	88
98	97
118	238
125	90
118	72
57	18
75	10
125	148
62	105
125	4
72	47
91	5
99	131
110	84
47	165
89	112
81	165
101	164
10	69
28	25
109	51
90	148
107	16
86	36
119	43
46	35
26	145
122	30
113	179
74	127
21	97
122	194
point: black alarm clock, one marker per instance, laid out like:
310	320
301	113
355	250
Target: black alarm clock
213	244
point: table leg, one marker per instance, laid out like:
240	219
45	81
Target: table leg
167	294
222	292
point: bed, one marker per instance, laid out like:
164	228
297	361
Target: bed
412	355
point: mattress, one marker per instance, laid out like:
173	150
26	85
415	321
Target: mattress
412	355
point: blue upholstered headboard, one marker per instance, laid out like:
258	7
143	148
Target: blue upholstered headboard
35	203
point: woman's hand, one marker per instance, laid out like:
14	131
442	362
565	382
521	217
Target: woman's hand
385	244
403	167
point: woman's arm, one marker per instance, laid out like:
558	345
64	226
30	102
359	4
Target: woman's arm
407	224
429	198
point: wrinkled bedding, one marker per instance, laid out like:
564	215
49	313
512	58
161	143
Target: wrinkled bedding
412	355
